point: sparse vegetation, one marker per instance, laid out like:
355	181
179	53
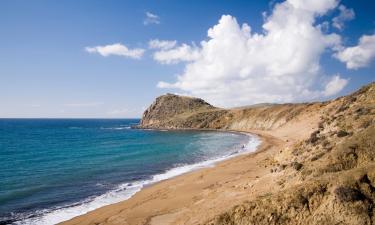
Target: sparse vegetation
347	194
296	165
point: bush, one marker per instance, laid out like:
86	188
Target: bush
342	133
347	194
296	165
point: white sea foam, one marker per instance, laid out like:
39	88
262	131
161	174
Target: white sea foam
127	190
116	128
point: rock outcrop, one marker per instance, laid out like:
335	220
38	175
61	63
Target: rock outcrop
173	111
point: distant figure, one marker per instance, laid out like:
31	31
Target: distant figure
243	146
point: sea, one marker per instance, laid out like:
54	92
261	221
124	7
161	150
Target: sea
52	170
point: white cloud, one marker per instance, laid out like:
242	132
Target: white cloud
360	55
319	7
118	50
334	86
178	54
236	66
161	44
151	18
345	15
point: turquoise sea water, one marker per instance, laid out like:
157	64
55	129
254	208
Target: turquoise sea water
54	169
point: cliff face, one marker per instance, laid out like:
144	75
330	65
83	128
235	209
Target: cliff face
325	175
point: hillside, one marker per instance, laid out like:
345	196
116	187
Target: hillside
325	173
180	112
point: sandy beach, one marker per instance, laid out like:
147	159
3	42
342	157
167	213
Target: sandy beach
195	197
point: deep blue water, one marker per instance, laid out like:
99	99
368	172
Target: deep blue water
54	169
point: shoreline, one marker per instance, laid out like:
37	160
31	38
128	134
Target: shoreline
126	191
266	142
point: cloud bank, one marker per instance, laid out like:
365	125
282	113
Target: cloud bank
116	49
236	66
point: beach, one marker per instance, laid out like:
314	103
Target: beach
195	197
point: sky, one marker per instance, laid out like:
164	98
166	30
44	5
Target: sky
111	59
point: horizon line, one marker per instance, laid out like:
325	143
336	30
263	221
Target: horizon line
68	118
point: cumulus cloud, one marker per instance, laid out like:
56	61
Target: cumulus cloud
319	7
236	66
345	15
151	18
360	55
182	53
334	86
161	44
116	49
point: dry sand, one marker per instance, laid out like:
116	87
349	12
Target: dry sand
195	197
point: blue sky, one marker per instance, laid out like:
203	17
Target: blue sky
46	70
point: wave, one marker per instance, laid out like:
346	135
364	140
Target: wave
75	128
127	190
116	128
121	127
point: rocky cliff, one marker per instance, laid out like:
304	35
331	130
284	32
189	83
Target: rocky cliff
325	175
